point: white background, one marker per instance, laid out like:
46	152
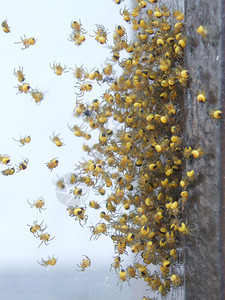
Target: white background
49	22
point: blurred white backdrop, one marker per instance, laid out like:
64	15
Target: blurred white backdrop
21	276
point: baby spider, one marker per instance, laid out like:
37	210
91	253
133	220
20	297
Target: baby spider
126	15
5	26
77	27
175	279
23	141
96	75
80	216
78	72
58	69
36	95
36	227
216	114
202	31
49	262
61	184
122	277
72	179
39	203
27	42
83	87
77	192
7	172
97	230
100	35
44	238
53	163
4	159
94	204
19	74
86	262
77	130
23	88
116	263
23	165
78	213
56	140
77	38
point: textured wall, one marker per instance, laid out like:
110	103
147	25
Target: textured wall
204	58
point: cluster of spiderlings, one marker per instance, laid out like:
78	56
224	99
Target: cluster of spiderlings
38	231
5	160
136	163
78	33
36	95
27	42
